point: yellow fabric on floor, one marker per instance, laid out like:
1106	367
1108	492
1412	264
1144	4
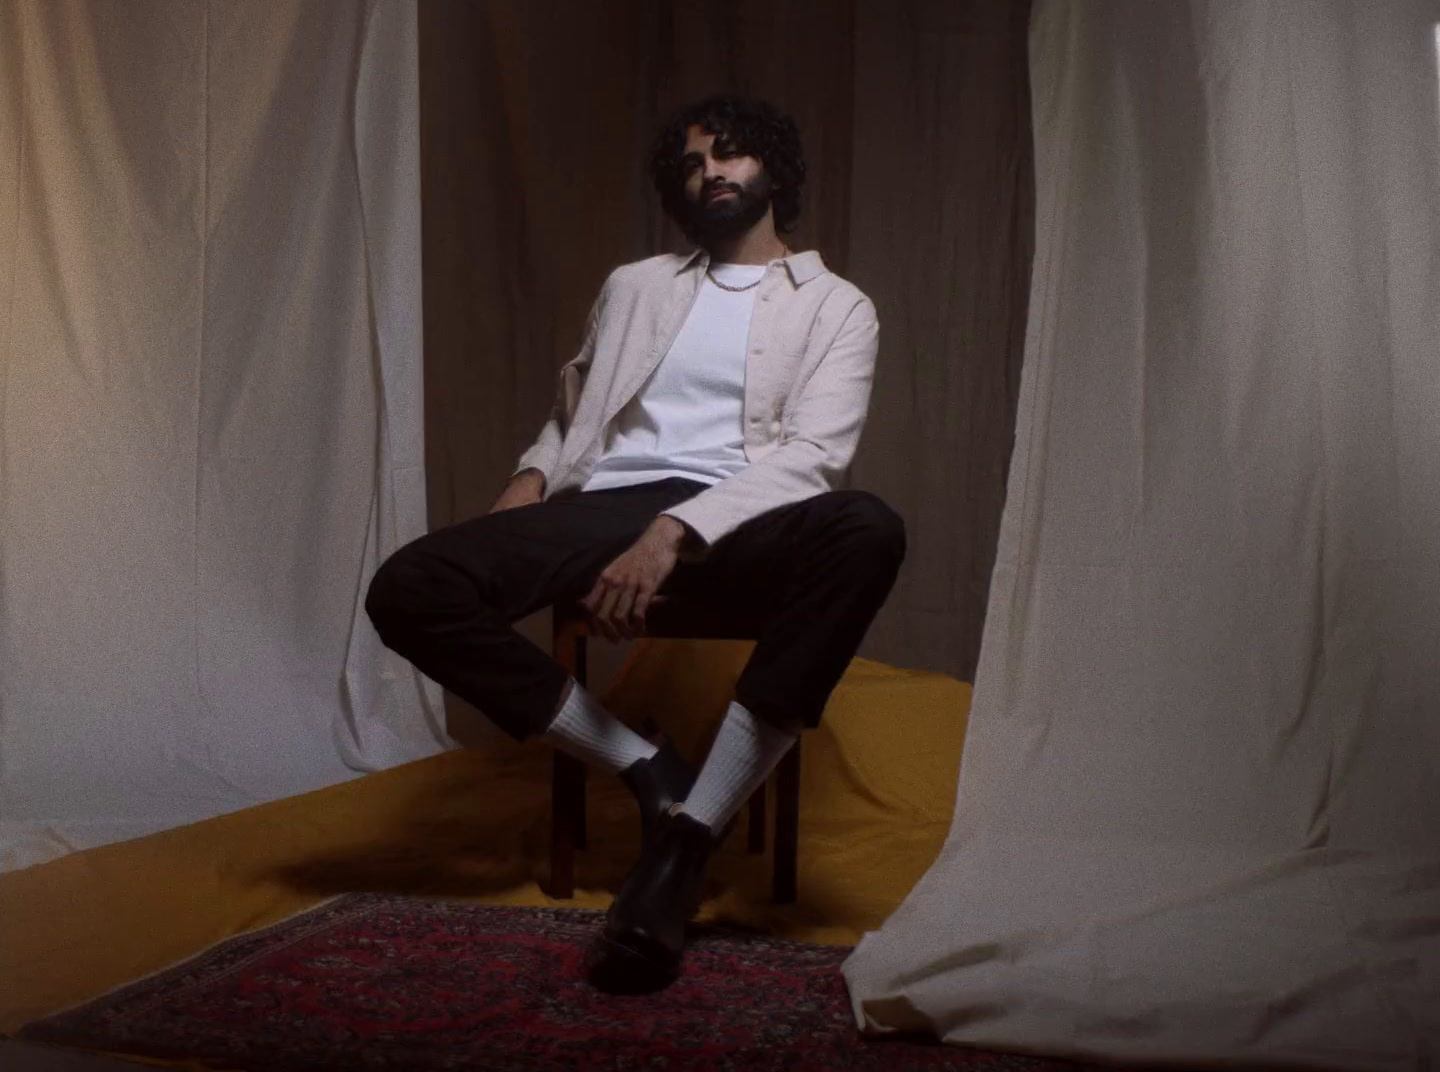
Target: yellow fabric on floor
877	790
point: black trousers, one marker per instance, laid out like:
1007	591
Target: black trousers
804	580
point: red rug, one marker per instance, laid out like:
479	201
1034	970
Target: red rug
394	984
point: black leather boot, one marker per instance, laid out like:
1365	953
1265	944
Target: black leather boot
644	937
658	782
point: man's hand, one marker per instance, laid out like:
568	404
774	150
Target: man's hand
625	590
524	488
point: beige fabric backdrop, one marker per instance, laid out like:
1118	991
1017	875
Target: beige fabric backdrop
536	122
209	329
1197	815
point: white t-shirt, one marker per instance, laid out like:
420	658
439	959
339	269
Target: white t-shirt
686	419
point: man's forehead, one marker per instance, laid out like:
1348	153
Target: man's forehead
698	139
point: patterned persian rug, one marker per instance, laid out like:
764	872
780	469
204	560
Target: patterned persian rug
395	984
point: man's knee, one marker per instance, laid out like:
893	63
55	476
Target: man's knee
408	587
869	523
388	601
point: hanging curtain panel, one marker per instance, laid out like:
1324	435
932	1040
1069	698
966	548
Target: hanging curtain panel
211	428
1198	810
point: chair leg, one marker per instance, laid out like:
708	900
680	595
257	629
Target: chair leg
567	783
756	840
787	826
582	824
567	801
581	818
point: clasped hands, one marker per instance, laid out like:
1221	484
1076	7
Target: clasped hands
627	587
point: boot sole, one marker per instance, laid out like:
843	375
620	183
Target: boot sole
617	968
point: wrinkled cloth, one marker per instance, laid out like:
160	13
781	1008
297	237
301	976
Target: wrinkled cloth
1198	809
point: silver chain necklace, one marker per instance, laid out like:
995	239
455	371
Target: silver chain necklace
738	290
733	290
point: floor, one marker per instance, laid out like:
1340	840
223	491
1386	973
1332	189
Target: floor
877	792
23	1057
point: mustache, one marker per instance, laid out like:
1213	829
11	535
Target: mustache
720	187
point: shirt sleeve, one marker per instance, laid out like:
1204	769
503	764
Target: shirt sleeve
545	451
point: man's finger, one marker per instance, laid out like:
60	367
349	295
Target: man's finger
597	592
604	614
591	603
638	611
597	617
624	607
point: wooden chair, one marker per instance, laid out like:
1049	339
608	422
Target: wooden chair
567	788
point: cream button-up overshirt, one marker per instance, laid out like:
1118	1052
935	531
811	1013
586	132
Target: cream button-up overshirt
809	366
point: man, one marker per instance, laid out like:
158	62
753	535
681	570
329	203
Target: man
684	480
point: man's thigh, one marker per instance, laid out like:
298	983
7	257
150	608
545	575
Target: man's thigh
732	592
529	557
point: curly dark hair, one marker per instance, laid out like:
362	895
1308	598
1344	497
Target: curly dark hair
754	128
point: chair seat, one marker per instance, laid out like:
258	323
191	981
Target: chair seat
570	630
676	620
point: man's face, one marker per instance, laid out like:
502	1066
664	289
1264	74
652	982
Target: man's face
727	193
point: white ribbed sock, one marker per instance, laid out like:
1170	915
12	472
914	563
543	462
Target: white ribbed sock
590	733
745	751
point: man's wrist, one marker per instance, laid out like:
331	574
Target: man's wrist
669	530
530	476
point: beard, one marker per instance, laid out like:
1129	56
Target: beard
710	221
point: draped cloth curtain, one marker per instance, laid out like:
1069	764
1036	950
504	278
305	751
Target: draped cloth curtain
211	428
1197	812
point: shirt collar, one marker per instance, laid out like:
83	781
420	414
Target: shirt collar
802	267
